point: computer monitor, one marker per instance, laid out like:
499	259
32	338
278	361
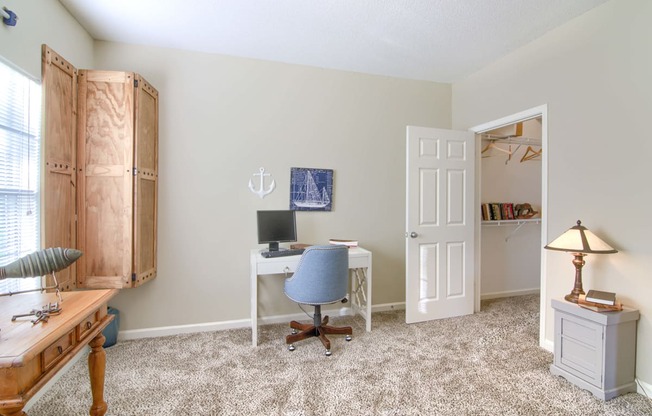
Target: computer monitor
276	227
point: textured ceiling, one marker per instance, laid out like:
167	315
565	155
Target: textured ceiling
436	40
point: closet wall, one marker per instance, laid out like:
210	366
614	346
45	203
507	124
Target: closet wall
511	254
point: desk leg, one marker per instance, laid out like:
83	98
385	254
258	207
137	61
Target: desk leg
361	299
369	303
96	368
253	281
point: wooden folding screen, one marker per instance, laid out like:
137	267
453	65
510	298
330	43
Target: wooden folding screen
116	147
59	86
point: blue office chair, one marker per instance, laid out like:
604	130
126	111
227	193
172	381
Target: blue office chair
321	277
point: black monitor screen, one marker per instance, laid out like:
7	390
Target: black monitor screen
275	227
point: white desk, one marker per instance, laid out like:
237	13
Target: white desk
360	295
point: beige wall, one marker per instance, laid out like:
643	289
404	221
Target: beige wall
43	21
221	118
594	74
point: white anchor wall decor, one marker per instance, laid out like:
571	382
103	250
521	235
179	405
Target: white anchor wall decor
262	192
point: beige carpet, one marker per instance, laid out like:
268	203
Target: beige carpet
484	364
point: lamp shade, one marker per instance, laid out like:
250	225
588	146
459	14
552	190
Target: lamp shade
579	239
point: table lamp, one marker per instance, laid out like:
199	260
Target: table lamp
579	241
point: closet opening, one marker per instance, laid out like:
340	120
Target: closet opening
510	196
511	177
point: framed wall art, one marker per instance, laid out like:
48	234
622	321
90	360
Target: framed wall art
311	189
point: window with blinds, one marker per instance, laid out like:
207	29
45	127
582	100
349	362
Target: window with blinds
20	137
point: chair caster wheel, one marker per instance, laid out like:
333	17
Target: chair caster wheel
328	353
291	347
348	338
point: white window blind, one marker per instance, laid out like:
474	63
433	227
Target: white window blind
20	138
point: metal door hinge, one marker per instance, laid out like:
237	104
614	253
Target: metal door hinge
135	83
133	277
135	171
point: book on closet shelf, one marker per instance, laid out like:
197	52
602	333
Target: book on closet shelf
490	212
510	211
495	208
603	298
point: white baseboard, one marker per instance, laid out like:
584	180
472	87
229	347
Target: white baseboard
548	345
643	388
164	331
510	293
388	307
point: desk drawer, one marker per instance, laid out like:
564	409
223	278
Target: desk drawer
58	349
89	323
277	267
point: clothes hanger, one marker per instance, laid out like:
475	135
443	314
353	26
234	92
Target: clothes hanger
493	145
530	154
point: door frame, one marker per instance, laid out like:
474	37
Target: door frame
539	111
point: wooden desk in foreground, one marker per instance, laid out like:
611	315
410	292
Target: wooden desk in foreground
30	355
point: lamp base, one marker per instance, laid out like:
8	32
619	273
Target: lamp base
578	262
573	297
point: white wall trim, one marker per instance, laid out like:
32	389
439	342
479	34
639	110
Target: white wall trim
164	331
398	306
510	293
511	119
643	388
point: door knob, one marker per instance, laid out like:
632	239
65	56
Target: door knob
413	234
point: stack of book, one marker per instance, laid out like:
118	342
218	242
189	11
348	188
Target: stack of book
599	301
494	211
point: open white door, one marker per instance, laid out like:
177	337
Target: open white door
439	223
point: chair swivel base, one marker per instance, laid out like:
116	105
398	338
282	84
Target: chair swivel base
320	331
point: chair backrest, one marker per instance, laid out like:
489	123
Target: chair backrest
321	277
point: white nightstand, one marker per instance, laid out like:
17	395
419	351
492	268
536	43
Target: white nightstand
595	350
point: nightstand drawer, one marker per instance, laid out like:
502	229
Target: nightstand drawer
581	348
580	330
